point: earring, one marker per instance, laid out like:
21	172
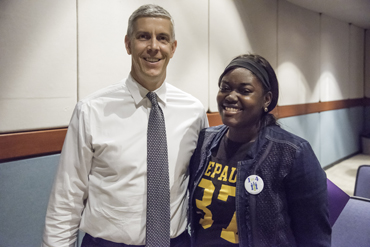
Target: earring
266	109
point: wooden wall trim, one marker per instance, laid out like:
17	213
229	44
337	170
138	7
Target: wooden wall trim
302	109
366	101
29	144
22	145
214	118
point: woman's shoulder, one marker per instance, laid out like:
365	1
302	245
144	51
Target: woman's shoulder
278	134
209	133
217	128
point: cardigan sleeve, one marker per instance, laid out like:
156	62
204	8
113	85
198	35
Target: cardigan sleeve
307	199
196	157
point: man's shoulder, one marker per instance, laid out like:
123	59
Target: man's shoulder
175	94
108	91
102	96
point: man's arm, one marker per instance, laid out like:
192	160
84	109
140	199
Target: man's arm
205	123
69	191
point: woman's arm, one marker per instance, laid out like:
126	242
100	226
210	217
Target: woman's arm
307	199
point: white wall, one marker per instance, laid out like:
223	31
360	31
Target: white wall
239	27
298	54
56	52
356	62
334	80
103	59
38	76
367	64
317	58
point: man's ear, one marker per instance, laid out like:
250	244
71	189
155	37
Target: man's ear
174	46
128	45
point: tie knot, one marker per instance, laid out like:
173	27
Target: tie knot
153	98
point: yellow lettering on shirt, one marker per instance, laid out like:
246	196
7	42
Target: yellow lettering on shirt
214	170
231	232
232	178
209	188
217	170
210	165
223	175
225	192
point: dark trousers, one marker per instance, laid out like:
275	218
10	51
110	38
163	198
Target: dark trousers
183	240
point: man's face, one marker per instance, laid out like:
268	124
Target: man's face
151	48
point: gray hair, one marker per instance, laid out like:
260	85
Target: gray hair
149	10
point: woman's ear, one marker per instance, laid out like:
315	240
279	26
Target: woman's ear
268	99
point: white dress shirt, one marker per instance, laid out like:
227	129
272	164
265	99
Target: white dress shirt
100	186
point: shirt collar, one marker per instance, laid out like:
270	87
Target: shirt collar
139	92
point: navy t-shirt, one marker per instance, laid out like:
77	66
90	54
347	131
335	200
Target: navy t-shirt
215	196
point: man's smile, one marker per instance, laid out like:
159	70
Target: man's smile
152	60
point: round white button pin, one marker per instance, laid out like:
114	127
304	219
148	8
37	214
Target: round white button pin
254	184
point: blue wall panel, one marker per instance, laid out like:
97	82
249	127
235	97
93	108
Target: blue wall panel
25	186
367	119
305	126
340	134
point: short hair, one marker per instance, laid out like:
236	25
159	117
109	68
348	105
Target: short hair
149	10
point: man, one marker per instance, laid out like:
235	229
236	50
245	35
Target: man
101	183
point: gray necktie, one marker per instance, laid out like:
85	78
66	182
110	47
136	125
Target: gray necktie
158	188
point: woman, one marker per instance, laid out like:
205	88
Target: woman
251	182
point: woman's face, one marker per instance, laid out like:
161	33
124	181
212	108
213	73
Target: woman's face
241	99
